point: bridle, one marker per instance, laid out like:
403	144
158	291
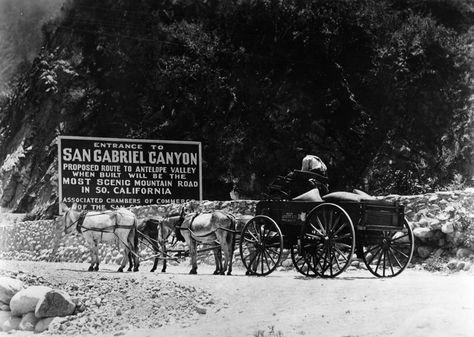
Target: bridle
66	228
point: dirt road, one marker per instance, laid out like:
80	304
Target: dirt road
284	304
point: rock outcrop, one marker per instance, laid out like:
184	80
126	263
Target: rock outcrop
33	308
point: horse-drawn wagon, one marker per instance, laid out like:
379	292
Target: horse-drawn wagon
323	234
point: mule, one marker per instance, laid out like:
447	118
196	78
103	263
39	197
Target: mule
210	228
155	233
118	226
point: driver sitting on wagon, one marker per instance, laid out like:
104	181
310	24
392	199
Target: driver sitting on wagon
313	170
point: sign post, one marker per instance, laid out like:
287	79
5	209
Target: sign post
108	173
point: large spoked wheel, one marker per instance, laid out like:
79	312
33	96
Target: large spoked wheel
261	245
391	254
328	238
301	261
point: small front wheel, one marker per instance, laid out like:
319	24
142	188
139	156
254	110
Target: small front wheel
390	253
261	245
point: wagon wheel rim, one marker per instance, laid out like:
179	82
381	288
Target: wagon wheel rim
392	254
301	261
329	233
261	245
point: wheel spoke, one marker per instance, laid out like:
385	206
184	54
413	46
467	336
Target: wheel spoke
266	261
400	237
371	249
252	235
250	241
340	253
340	228
337	261
323	230
316	230
379	260
344	245
395	258
330	223
345	236
253	260
374	255
390	261
271	258
276	244
400	252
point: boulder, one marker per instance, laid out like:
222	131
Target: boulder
4	316
43	324
28	322
25	300
11	324
55	303
9	287
423	233
447	228
4	307
424	251
463	252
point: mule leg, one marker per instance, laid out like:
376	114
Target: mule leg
230	251
163	235
221	266
218	260
163	248
124	258
96	252
92	250
155	262
130	261
135	258
193	254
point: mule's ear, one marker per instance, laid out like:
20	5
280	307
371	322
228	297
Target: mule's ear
183	209
64	207
74	206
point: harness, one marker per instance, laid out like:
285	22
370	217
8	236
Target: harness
194	235
110	229
80	221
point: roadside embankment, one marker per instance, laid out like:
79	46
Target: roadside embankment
442	222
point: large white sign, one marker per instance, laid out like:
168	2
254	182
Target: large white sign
108	173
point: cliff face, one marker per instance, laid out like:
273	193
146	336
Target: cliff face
45	103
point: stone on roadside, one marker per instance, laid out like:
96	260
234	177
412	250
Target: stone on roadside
463	252
26	300
4	316
11	324
447	228
424	251
8	288
423	233
452	265
28	322
55	303
43	324
201	310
